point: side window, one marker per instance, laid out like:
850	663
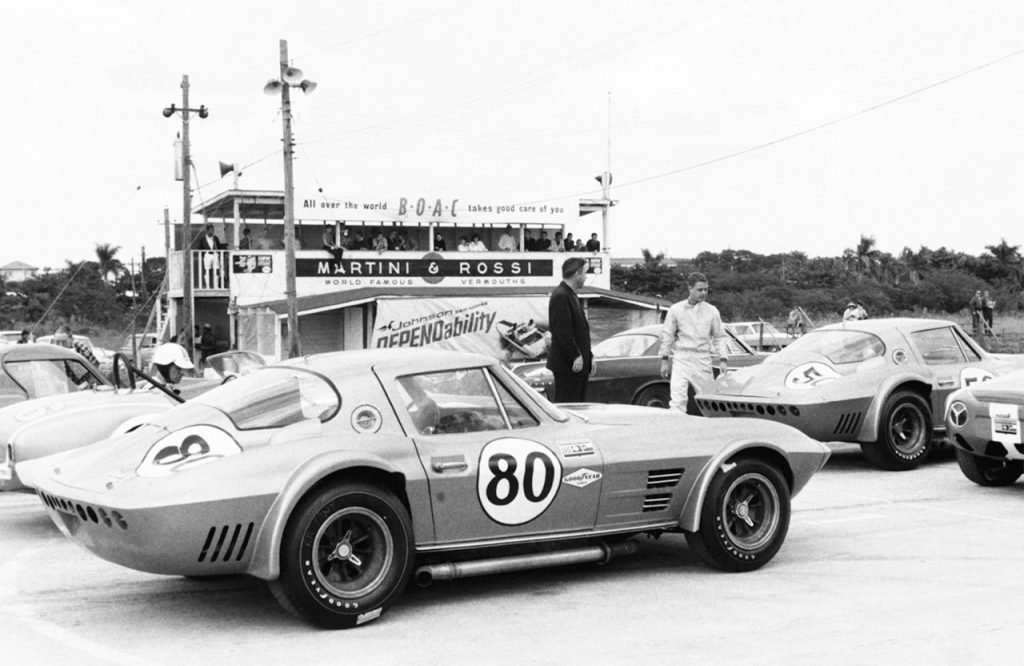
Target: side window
451	402
518	415
938	346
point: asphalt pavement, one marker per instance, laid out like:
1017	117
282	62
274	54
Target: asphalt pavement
919	567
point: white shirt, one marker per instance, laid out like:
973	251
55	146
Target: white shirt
507	243
693	331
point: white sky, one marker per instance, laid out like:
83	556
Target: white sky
473	98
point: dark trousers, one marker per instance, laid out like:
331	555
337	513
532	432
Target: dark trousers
571	387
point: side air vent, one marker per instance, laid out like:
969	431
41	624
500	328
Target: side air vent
664	478
657	502
221	542
85	512
848	423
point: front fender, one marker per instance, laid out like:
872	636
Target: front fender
689	517
266	555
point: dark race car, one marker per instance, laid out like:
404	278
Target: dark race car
983	421
628	368
879	382
336	476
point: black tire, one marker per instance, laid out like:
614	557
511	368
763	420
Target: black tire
654	396
904	437
989	471
745	517
346	555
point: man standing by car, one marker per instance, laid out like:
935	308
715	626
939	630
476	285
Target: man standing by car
64	338
569	359
691	339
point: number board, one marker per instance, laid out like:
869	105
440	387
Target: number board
517	480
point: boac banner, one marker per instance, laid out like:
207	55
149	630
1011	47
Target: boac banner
511	329
450	210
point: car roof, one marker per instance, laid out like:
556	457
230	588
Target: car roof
35	352
395	360
908	324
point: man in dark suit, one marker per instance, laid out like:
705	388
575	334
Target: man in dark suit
570	359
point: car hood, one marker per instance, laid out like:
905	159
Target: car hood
814	378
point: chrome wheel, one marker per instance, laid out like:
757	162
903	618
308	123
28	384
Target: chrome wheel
750	513
353	551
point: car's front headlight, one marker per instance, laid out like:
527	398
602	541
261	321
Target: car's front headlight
186	448
958	414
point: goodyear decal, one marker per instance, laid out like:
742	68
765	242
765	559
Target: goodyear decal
582	477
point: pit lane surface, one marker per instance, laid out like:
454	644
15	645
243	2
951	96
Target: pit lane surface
878	567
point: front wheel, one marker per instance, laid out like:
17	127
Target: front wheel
346	555
904	433
745	517
988	471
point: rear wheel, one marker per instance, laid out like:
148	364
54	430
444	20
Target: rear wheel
745	517
904	433
989	471
346	555
653	396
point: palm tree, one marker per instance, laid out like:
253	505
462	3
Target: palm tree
106	255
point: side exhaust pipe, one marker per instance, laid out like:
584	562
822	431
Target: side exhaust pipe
600	553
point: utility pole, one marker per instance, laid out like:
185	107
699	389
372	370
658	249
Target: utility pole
294	344
187	317
186	321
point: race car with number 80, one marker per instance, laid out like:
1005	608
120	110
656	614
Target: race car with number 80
340	477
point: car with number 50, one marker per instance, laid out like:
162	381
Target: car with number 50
339	477
983	422
880	382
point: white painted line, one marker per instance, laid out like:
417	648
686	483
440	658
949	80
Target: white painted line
852	519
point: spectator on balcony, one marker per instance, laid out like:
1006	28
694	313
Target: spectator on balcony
245	242
593	245
507	241
579	246
327	238
463	244
543	243
477	245
530	244
380	241
439	243
212	271
407	243
569	244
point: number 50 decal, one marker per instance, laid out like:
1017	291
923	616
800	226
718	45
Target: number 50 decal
516	480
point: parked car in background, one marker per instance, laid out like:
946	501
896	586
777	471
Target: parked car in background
628	368
69	419
880	382
337	476
34	371
760	335
144	344
10	336
983	422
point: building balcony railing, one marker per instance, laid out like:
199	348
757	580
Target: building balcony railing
211	270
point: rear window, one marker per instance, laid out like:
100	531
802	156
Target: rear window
837	346
274	398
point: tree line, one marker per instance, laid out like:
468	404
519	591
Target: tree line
87	295
746	285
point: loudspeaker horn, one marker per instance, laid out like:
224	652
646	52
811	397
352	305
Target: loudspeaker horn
292	75
226	168
273	87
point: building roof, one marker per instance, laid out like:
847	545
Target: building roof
342	299
18	266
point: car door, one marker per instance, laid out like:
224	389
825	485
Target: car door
950	360
497	468
623	363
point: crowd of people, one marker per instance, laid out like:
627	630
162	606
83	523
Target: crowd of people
338	239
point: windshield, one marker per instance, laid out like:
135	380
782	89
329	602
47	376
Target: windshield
838	346
51	377
550	409
274	398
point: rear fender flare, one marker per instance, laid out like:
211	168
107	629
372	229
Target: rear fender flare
869	428
266	562
646	385
689	517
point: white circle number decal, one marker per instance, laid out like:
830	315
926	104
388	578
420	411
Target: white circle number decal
517	480
810	375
